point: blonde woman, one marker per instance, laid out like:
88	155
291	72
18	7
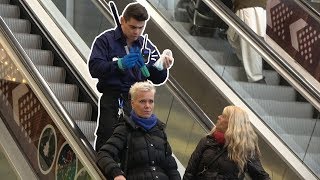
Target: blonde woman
228	151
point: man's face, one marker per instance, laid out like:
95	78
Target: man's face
143	103
132	28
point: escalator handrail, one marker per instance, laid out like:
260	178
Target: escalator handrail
261	46
40	82
307	7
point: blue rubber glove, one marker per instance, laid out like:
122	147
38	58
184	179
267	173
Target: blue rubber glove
129	60
143	68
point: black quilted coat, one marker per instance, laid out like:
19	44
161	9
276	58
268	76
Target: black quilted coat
222	168
149	156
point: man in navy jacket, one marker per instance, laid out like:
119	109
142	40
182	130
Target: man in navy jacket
117	62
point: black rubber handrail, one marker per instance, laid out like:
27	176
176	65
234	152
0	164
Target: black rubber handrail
307	7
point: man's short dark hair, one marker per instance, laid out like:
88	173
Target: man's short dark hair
136	11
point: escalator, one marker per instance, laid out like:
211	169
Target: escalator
44	104
283	107
39	103
185	124
290	111
46	142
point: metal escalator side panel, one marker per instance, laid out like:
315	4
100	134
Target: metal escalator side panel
35	118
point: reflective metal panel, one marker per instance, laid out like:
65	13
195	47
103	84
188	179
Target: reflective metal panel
36	133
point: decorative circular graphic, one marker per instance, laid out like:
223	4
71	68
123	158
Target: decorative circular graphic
83	175
47	149
66	166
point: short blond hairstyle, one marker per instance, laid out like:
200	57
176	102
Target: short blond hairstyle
141	86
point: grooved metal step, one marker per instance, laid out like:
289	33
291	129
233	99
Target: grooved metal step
282	109
313	161
40	57
299	126
234	73
298	143
314	144
18	25
29	41
9	11
4	1
88	128
52	74
65	92
264	91
78	110
220	57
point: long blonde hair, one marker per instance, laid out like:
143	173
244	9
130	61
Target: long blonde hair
240	139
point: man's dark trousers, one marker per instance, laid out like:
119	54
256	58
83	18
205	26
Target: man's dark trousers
108	118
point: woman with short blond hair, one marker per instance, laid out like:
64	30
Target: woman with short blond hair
138	148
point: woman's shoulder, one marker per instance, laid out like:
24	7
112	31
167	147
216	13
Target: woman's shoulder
161	124
205	140
209	140
122	128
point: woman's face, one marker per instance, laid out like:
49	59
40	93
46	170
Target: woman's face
143	103
222	123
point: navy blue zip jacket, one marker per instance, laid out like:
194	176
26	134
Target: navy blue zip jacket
107	48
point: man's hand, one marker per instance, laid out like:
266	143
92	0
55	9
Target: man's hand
143	68
129	60
168	59
120	177
165	61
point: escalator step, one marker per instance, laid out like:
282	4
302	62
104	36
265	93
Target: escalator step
9	11
234	73
220	57
29	41
18	25
289	125
40	57
298	143
78	110
315	143
4	1
313	161
263	91
282	109
65	92
88	129
52	74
